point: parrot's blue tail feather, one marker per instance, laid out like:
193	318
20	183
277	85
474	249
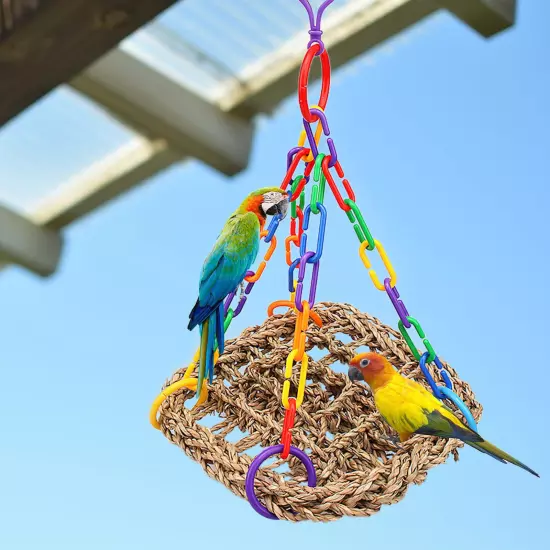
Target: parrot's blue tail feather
199	314
220	332
203	355
208	346
211	344
212	337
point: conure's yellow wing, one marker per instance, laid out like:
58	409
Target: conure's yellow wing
409	408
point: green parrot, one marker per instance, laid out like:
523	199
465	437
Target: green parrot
225	269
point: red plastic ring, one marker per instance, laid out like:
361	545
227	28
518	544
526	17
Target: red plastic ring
299	189
288	424
334	187
300	216
303	79
292	168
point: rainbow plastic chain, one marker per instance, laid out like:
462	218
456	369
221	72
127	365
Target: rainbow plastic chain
322	165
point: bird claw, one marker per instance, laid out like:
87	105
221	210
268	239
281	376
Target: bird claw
241	289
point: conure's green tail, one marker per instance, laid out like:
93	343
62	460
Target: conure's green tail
495	452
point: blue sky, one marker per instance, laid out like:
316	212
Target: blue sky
446	139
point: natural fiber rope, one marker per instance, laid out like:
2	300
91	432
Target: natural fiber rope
358	468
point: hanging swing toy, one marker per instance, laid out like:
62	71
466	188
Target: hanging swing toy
343	448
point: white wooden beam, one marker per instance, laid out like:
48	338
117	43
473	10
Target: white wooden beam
25	243
34	241
103	181
353	30
160	108
178	123
487	17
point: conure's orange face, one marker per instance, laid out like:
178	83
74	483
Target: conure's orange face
366	365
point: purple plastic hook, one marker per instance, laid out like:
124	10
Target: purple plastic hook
315	23
321	10
310	13
255	466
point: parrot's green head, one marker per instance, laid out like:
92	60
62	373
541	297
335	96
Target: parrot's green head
267	201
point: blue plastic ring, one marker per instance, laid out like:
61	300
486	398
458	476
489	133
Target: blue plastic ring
452	396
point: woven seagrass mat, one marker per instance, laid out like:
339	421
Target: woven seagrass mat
358	468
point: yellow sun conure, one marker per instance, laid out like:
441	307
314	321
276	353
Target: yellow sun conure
410	409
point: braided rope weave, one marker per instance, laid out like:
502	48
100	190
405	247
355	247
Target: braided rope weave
358	468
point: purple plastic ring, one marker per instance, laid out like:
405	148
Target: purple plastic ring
333	153
311	139
397	303
255	466
240	306
322	119
290	156
228	301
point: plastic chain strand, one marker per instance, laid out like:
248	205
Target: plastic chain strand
367	243
322	166
300	216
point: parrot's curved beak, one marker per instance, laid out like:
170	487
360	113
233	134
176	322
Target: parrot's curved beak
282	207
355	375
278	209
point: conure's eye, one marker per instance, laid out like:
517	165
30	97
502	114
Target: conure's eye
365	363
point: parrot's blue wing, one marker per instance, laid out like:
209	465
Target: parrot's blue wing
207	301
226	265
211	269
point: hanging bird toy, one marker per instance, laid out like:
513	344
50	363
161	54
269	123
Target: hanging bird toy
329	431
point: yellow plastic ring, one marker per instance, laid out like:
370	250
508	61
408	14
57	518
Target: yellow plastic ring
301	382
385	260
186	382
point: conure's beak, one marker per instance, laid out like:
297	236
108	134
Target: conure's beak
355	375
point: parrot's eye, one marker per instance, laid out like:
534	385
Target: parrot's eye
364	363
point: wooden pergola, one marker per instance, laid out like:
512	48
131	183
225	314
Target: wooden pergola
45	43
